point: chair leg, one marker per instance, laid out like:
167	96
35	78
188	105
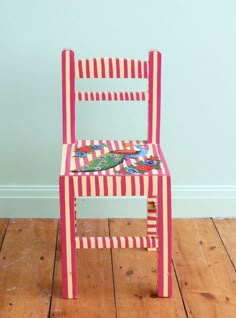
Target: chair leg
164	237
68	246
151	220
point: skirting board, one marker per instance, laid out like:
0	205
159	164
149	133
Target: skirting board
187	201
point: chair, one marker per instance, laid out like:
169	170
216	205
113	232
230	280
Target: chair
114	168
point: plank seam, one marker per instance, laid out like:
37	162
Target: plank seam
112	268
218	232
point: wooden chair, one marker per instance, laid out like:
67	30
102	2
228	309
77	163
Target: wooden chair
114	168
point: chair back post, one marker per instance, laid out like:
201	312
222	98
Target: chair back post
68	96
154	101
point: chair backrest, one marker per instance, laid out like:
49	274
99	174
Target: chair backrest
111	68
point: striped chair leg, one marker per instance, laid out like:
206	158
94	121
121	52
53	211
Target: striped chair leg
152	220
164	237
68	242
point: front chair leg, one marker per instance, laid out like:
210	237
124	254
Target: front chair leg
68	244
164	237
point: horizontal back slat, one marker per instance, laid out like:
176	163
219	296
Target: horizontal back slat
111	96
111	68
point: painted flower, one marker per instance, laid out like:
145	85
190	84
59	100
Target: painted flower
143	168
131	170
97	147
80	154
151	161
85	149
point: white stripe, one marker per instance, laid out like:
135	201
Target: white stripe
121	62
106	62
114	67
84	68
91	68
99	68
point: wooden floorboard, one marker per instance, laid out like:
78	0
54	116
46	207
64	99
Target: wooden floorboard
95	282
26	268
227	231
206	276
118	283
135	276
3	227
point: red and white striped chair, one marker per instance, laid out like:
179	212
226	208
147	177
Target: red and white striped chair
114	168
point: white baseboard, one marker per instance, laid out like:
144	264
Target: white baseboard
188	201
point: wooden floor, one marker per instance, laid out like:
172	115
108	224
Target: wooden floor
118	283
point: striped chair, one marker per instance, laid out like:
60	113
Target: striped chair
114	168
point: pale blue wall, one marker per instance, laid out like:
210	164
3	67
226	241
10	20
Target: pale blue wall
197	39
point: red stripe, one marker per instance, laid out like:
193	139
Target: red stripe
96	242
105	186
139	69
126	242
145	75
81	242
114	190
88	183
123	185
117	68
134	242
150	188
109	96
89	242
103	67
103	96
132	69
126	96
111	242
125	68
141	185
110	68
79	186
141	242
95	68
104	242
133	192
81	75
87	69
97	186
119	242
86	96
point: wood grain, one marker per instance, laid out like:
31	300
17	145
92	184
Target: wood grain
206	275
95	282
26	268
135	276
227	231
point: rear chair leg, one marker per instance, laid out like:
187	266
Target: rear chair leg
152	220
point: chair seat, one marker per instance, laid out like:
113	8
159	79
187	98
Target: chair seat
113	158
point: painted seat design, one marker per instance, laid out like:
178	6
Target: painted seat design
113	167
